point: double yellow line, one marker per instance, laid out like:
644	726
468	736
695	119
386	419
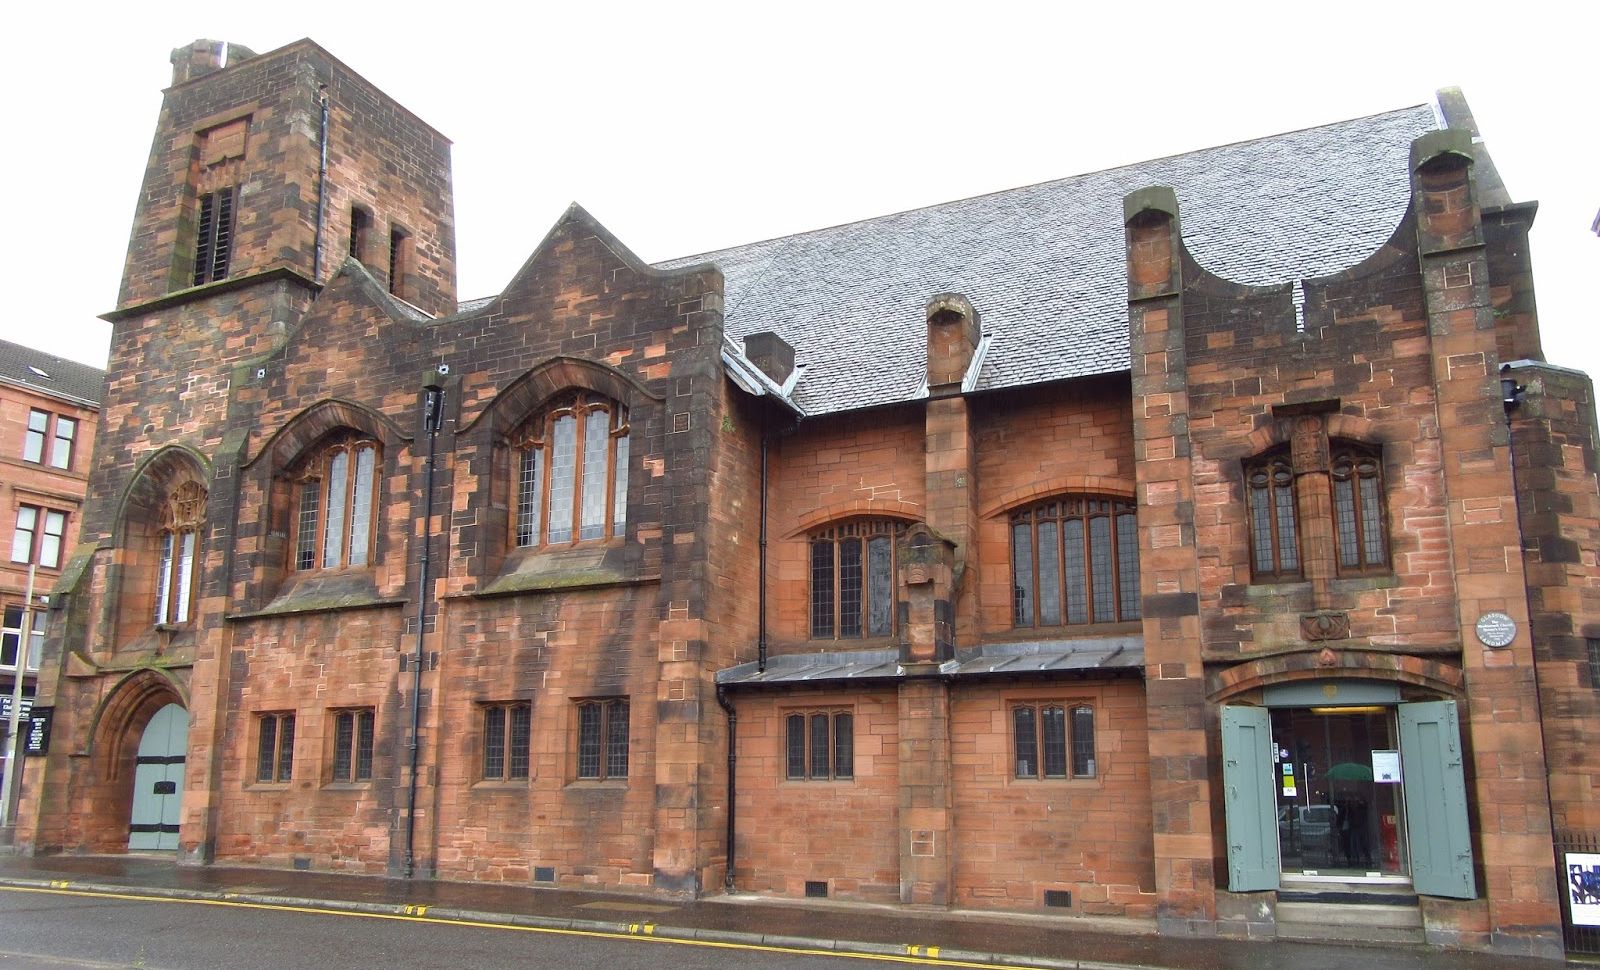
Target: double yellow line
644	932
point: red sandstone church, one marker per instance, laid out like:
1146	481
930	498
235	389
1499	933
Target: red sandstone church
1204	541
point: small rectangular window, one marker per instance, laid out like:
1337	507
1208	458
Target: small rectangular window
400	256
352	745
1047	743
360	233
603	739
819	746
61	443
274	748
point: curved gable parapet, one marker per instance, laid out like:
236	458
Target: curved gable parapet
576	220
317	421
540	383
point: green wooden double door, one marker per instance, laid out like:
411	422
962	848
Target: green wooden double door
1261	784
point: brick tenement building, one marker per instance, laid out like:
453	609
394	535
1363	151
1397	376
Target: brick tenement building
47	411
1203	541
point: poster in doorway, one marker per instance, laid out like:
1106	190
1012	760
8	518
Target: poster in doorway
1583	887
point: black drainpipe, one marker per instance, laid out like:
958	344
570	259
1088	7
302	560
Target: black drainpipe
322	183
761	564
433	408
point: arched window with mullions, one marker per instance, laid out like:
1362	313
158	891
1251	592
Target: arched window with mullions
570	463
179	542
1075	560
337	504
1274	525
852	579
1358	509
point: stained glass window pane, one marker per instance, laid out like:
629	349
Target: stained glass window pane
596	446
164	579
1083	761
819	746
1022	574
844	751
563	475
305	547
343	742
1100	569
880	585
266	749
1288	540
1128	565
521	733
180	613
1074	579
1344	516
1372	522
361	511
589	723
333	527
285	746
364	746
1049	573
494	742
850	587
821	588
619	502
617	739
530	495
1054	723
796	746
1026	742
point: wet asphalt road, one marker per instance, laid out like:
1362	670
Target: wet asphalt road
50	931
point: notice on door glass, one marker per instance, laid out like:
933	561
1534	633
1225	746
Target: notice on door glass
1583	887
1289	789
1386	767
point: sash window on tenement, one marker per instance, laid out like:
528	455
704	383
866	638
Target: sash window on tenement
1075	560
852	579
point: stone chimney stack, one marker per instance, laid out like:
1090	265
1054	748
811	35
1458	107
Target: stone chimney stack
952	339
205	57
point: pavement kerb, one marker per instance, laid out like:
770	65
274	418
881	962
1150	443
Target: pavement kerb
642	928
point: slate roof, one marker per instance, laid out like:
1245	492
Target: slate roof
50	374
1043	264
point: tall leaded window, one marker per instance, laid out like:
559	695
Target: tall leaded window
852	579
336	509
1075	560
1358	509
1274	527
214	236
274	747
1053	740
571	472
603	739
352	745
180	538
819	745
507	729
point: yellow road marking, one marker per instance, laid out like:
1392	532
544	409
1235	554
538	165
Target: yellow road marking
640	932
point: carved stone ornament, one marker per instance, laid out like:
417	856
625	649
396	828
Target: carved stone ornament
1309	446
1327	658
1325	626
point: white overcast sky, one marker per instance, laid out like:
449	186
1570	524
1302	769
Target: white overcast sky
687	127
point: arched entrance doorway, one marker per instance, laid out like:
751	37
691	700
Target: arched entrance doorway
158	781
